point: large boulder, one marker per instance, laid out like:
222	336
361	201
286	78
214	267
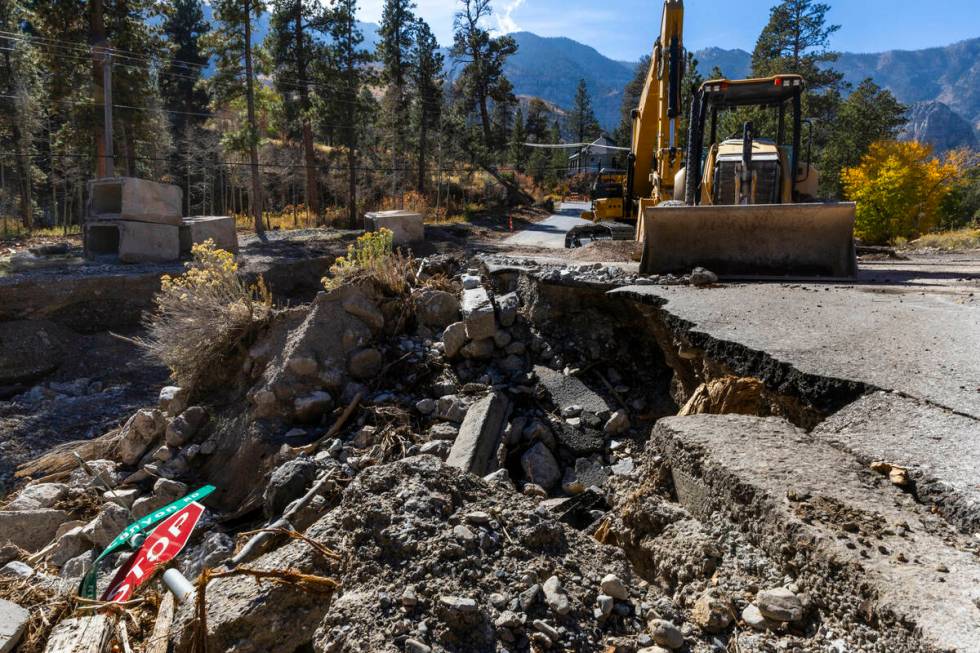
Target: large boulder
289	481
436	308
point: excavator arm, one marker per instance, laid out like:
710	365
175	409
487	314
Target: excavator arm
654	157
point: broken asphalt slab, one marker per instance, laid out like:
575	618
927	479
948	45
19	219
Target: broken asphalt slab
923	345
857	544
566	391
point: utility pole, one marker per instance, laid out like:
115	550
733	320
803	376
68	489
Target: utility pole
107	116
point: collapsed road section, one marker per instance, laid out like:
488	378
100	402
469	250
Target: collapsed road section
500	455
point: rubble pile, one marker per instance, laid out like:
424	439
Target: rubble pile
460	468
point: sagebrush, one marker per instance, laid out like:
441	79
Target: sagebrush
203	315
373	260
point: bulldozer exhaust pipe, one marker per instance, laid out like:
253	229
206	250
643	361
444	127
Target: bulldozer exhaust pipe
754	240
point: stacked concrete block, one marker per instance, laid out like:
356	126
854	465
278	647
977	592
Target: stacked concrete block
136	219
405	225
218	228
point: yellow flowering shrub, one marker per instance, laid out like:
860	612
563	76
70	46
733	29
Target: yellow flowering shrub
202	315
372	259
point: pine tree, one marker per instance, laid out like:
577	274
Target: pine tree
180	85
482	79
797	40
231	43
427	79
869	114
518	150
293	46
349	106
19	122
582	121
394	51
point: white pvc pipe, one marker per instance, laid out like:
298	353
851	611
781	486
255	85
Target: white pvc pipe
176	583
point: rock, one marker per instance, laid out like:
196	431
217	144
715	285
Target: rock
540	466
712	612
478	314
547	629
211	552
139	433
478	349
623	467
425	406
302	366
365	310
580	441
653	649
606	604
507	306
703	277
409	597
309	409
779	604
436	308
936	123
571	411
555	597
79	565
457	611
454	338
364	438
122	496
365	364
169	490
185	426
415	646
613	586
38	496
754	618
451	408
479	434
470	281
617	424
107	525
289	481
443	431
13	623
173	399
589	473
500	477
31	529
665	633
502	338
71	544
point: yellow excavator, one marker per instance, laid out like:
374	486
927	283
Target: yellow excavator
739	206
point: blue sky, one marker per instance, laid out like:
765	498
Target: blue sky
625	29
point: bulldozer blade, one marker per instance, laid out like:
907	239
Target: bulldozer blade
751	240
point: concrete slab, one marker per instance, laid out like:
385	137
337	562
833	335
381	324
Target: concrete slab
857	544
219	228
568	391
407	226
13	622
940	449
479	316
129	198
920	344
479	434
133	242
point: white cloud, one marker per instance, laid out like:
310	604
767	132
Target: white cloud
505	20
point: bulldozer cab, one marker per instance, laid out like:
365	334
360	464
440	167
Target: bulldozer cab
747	167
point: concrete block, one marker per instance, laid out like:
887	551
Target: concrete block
129	198
405	225
13	621
133	242
219	228
31	529
476	444
478	314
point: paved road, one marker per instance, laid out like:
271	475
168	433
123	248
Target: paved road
551	232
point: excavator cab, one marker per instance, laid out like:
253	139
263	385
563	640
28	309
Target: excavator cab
745	206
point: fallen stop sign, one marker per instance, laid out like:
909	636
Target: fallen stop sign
160	547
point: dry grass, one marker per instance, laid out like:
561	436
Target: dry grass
372	260
948	241
203	315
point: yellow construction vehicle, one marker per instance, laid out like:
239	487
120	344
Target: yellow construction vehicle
740	206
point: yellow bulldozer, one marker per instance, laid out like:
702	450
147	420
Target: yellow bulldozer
740	206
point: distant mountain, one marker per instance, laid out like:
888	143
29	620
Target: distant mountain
937	124
735	64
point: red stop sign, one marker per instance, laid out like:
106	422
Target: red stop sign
160	547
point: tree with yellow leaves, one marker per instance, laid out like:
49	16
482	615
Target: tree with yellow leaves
898	187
